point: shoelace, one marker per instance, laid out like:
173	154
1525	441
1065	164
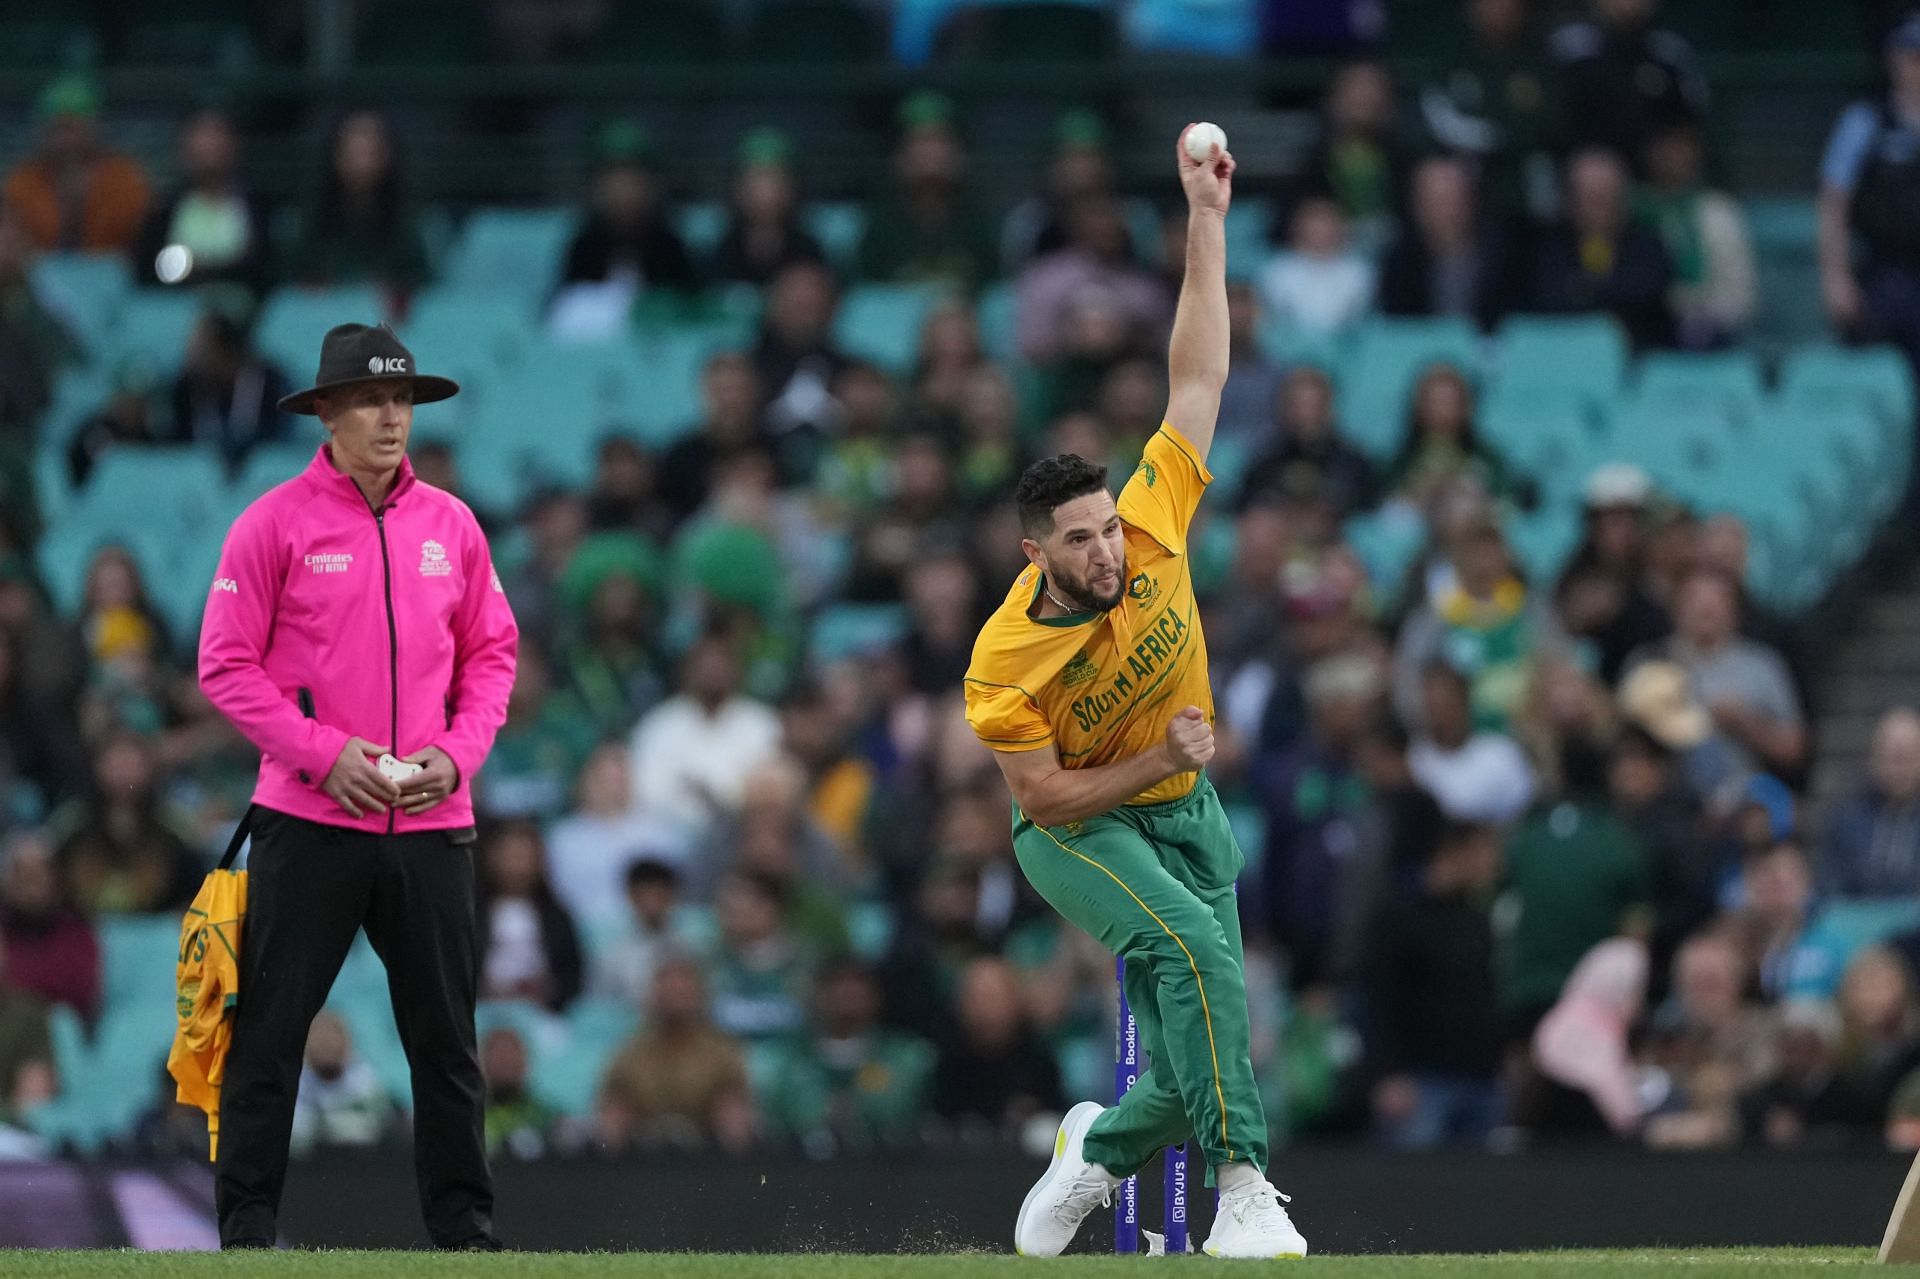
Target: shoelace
1089	1191
1243	1201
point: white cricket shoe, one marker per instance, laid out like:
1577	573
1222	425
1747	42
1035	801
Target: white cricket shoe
1069	1190
1252	1224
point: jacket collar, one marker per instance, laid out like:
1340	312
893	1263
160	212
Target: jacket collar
322	473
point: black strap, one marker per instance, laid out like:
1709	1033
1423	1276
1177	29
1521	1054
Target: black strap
240	834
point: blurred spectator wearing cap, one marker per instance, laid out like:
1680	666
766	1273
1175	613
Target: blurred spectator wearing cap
1442	449
993	1071
1744	685
1794	954
1600	257
50	947
1496	104
1658	698
691	754
1080	168
1576	875
1715	276
1649	794
1319	284
210	229
611	589
530	948
1481	617
1448	260
928	227
227	395
1361	159
1870	194
1602	596
729	424
626	235
1871	846
1623	77
1095	261
1308	457
680	1081
540	748
1433	1018
1809	1101
73	193
1479	777
764	232
361	227
846	1076
797	360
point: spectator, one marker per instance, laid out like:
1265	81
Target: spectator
992	1071
1433	1015
1576	875
937	939
943	599
797	359
729	425
1560	701
211	230
950	355
1448	260
341	1100
555	522
760	968
627	238
691	753
1578	1076
129	419
1318	285
1794	955
47	663
679	1082
72	193
1398	834
41	760
34	344
1664	814
848	1077
1711	1045
1442	449
1745	685
1809	1101
1600	258
116	850
1095	267
50	948
361	228
517	1125
591	848
1481	617
928	229
539	749
624	494
764	232
1715	289
227	395
1624	78
990	449
1872	844
1497	106
1253	381
27	1077
1080	170
775	837
1869	182
624	967
1657	697
1723	542
854	471
1602	597
1880	1022
1477	777
1308	459
531	951
611	586
1360	161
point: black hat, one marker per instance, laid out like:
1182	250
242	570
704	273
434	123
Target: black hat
353	353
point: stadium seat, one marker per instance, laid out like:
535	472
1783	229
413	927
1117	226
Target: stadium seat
544	423
84	290
1731	379
1387	542
1863	922
839	228
1544	540
1815	377
294	320
996	316
701	224
882	322
1584	356
266	466
1228	28
153	326
1378	374
844	631
516	252
668	402
1548	437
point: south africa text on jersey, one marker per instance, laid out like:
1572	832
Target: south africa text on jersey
1165	640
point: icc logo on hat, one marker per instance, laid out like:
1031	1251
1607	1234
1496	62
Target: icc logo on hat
387	364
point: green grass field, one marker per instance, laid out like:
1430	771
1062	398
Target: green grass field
1773	1263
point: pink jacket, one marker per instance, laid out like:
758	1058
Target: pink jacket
327	622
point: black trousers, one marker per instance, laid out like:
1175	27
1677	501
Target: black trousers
310	887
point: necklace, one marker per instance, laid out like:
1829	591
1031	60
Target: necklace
1056	600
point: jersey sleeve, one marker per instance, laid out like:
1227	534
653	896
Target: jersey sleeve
1005	717
1165	489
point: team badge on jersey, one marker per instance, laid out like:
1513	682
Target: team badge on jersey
1143	588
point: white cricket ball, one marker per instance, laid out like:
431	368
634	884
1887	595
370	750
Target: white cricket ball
1202	138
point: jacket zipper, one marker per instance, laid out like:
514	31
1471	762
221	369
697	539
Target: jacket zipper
393	647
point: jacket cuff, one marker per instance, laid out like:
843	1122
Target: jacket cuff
460	770
326	748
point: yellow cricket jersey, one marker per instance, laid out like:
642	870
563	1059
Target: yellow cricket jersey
1100	687
207	980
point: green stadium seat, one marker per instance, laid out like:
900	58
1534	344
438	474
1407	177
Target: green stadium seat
517	252
844	631
870	928
137	955
668	403
839	228
1549	437
1379	372
1731	379
294	320
1544	541
882	322
701	224
266	466
1816	377
463	328
1585	356
153	326
84	290
544	423
1387	542
1249	230
814	31
1864	922
997	315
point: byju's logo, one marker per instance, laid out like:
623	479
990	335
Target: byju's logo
387	364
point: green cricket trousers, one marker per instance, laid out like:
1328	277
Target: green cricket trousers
1154	884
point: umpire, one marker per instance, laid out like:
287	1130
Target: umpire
356	613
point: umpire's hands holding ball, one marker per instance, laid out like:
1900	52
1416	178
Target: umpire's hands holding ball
1189	740
355	784
434	783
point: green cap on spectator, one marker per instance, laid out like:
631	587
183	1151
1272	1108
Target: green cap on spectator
68	97
927	109
765	148
624	142
1080	129
732	563
606	555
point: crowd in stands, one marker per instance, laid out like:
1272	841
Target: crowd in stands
1527	855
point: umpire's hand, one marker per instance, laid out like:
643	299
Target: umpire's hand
356	784
434	783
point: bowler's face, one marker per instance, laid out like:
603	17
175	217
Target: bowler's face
369	422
